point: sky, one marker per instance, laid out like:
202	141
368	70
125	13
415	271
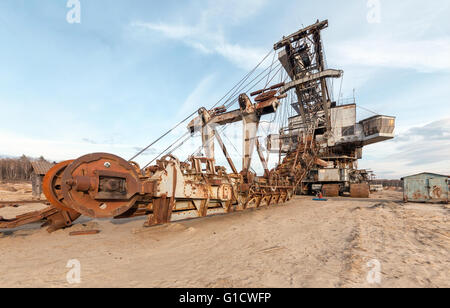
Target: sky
130	70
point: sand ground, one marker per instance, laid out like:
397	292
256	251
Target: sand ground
300	244
16	191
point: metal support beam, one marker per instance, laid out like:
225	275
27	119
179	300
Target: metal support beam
325	94
208	133
330	73
250	129
302	33
261	157
225	152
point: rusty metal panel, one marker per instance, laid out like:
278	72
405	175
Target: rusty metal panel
360	190
416	190
331	190
438	189
426	187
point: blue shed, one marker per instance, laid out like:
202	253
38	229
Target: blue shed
426	187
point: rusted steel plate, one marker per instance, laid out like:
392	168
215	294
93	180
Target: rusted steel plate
321	163
60	220
360	190
52	185
274	87
330	190
52	188
55	219
265	96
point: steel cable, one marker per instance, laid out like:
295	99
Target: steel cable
245	78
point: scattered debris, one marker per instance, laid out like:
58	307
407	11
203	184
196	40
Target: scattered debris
378	205
89	232
320	199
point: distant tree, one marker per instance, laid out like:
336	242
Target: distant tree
17	169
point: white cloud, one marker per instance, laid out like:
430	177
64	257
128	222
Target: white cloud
206	35
428	55
55	149
171	31
413	35
231	11
418	149
203	40
199	97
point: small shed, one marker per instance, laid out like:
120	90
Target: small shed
426	187
40	169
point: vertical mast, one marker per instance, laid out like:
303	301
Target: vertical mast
302	57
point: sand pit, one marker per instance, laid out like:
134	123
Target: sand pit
299	244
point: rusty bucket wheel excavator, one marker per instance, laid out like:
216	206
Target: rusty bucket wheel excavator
102	185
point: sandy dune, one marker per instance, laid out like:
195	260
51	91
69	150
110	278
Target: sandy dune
16	191
299	244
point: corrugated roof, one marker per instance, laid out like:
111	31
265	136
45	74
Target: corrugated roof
41	167
426	173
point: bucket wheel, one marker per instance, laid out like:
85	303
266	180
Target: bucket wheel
101	185
52	185
52	188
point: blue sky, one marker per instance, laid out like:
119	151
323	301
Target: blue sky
132	69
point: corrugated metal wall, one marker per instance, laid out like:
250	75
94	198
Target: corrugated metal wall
426	188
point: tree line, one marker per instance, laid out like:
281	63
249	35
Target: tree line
17	169
388	183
